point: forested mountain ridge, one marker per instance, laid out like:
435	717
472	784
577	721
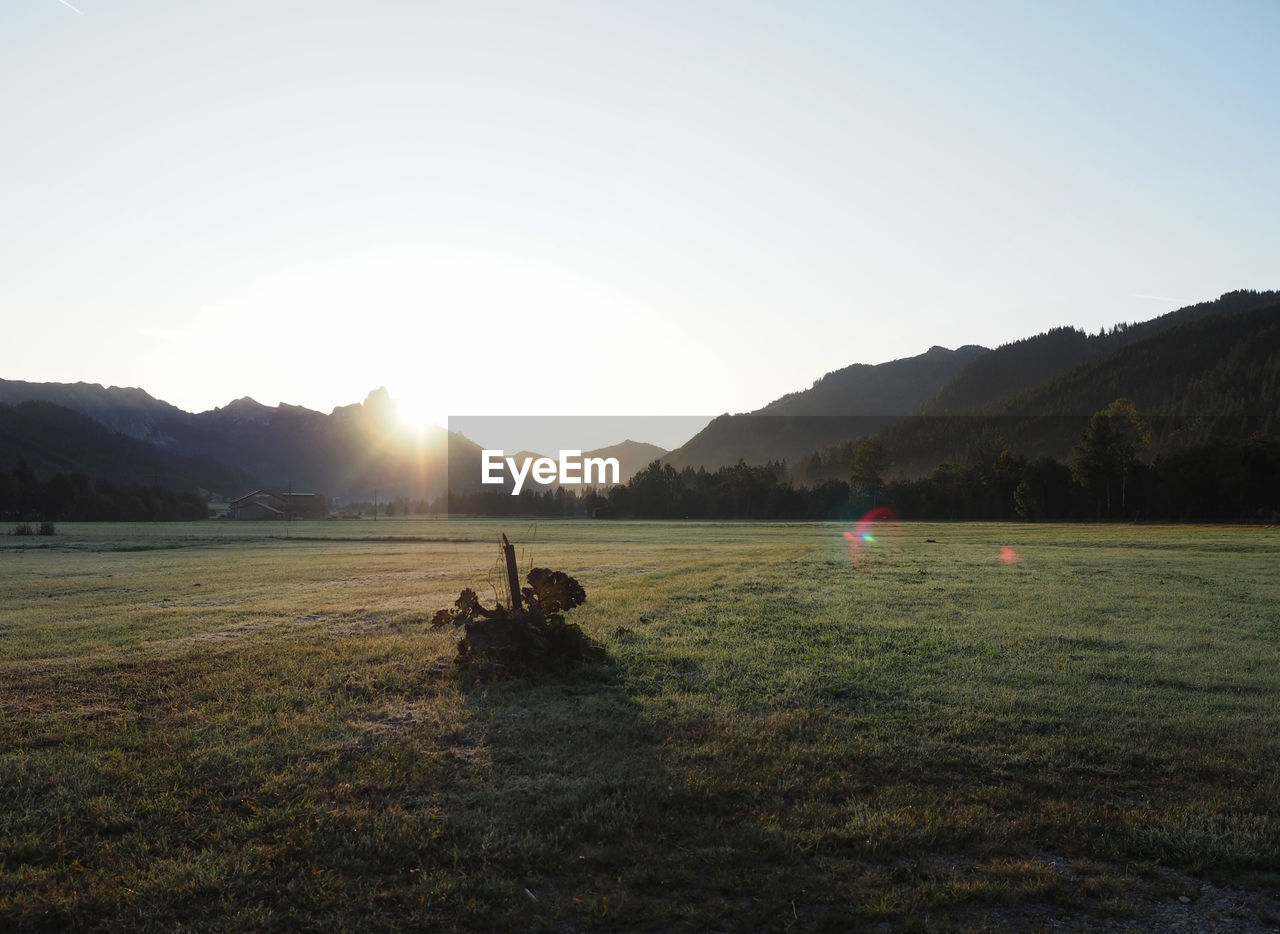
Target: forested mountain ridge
859	400
1222	365
1214	378
1020	366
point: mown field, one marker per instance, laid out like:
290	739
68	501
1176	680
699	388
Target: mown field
211	726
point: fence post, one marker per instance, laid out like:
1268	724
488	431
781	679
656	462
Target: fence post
513	576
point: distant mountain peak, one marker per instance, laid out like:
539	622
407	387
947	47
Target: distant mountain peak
637	444
630	450
964	350
378	397
131	392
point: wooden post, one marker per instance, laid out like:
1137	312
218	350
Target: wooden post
513	576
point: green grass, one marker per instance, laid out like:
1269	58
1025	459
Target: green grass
211	726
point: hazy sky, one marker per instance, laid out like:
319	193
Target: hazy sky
611	208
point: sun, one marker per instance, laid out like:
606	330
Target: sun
418	415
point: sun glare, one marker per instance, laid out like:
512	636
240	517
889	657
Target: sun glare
417	415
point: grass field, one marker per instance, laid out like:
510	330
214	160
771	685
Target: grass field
212	726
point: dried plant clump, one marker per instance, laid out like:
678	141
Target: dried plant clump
503	642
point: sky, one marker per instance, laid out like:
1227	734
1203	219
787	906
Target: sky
611	208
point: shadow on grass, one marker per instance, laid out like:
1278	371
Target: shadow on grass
346	784
594	809
579	820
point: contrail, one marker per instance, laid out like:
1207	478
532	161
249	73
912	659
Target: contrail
64	3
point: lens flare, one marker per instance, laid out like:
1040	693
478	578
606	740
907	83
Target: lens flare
872	530
1009	556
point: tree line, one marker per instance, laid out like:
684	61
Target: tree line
1108	477
77	498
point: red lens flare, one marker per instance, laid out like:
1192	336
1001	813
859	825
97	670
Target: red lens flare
871	532
1009	556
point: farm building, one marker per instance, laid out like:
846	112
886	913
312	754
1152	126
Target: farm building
263	504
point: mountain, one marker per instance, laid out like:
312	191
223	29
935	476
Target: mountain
633	456
1225	365
855	400
1020	366
1197	364
894	388
347	455
817	425
129	411
1213	377
54	439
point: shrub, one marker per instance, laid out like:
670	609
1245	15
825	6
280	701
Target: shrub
46	528
22	528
